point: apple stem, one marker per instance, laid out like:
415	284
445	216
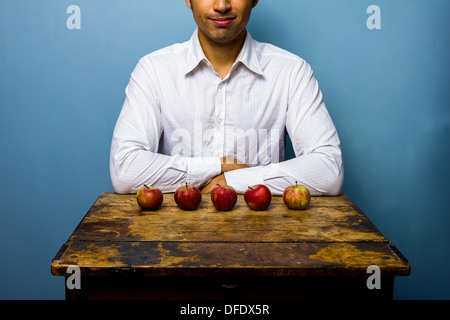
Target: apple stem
146	186
219	185
250	188
295	183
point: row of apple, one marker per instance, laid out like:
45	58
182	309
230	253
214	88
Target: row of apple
224	198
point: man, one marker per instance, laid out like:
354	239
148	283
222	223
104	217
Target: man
215	110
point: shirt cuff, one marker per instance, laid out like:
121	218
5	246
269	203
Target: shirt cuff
241	179
202	169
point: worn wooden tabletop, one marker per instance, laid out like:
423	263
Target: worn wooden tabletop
331	237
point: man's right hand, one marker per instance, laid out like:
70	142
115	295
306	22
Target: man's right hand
229	164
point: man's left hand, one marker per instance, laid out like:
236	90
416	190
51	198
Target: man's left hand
220	179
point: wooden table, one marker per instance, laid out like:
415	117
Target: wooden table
318	253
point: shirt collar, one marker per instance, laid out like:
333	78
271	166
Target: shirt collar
247	56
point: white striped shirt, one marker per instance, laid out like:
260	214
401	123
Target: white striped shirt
180	117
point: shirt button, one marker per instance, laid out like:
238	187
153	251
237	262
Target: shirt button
219	121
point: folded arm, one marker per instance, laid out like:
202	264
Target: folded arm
134	157
318	160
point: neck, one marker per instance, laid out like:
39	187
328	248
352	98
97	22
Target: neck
222	55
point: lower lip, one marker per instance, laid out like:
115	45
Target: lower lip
222	23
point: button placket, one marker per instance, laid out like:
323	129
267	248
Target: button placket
219	134
221	102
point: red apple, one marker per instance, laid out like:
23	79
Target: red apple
188	197
149	198
296	197
258	197
223	197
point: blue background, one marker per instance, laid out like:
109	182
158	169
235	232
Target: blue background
61	91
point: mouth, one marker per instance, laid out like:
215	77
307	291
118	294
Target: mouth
222	21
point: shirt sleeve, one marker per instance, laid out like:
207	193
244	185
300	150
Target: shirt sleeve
134	157
318	161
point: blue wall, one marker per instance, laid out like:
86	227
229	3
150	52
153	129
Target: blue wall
61	91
